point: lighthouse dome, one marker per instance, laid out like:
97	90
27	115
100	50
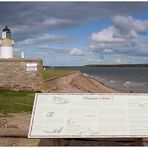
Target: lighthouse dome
6	33
6	29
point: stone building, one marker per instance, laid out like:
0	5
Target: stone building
18	73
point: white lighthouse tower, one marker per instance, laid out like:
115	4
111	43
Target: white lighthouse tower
6	44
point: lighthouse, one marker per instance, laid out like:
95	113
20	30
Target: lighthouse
6	44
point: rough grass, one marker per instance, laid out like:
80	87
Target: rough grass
54	73
22	101
16	101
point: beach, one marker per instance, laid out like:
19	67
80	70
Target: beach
126	79
77	82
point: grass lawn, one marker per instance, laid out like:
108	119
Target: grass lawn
13	101
22	101
53	73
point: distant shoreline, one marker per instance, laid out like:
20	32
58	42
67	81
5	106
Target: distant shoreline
118	65
101	65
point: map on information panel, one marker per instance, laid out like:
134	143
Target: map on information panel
89	115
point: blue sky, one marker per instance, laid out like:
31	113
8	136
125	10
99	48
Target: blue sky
79	33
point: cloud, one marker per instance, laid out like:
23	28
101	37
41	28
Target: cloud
122	29
78	51
108	50
125	36
106	35
120	59
53	22
42	26
31	18
129	27
45	38
35	23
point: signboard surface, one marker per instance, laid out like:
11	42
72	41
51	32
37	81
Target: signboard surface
89	115
31	66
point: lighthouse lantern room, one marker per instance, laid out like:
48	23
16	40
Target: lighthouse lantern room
6	44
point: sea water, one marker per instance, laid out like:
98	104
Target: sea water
127	79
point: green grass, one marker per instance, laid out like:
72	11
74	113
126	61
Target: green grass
22	101
16	101
54	73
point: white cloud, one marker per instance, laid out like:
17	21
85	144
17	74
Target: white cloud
122	29
106	35
122	59
45	25
119	60
44	39
108	50
129	27
126	36
78	51
43	46
56	21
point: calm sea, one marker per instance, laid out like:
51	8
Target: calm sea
128	79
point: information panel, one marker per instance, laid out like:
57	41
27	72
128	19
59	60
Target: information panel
31	66
89	115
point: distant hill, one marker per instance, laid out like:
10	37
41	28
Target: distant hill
97	65
118	65
52	67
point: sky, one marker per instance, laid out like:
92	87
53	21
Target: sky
78	33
